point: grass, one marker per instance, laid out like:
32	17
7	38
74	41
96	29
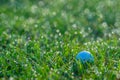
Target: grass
40	39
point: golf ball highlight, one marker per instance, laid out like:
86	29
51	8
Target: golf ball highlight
85	57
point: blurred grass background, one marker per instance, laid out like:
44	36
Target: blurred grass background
40	38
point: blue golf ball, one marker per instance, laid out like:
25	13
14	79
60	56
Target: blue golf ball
85	57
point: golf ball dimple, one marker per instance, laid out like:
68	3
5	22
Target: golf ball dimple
85	56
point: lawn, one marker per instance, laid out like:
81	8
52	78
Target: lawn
39	39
